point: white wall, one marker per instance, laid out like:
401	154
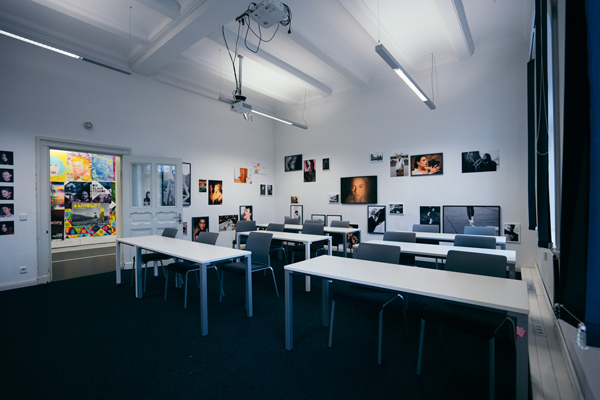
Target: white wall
49	95
481	104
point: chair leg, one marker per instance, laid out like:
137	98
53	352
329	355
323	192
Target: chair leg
166	284
274	281
380	337
222	293
185	290
420	359
492	372
331	322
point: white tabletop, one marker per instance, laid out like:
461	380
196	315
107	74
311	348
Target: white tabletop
291	237
327	229
449	237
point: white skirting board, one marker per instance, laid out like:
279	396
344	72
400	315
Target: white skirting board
17	285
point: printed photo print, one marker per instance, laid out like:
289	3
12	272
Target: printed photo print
427	164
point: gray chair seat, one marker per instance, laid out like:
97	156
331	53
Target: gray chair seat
407	237
153	257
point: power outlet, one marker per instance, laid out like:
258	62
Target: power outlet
22	270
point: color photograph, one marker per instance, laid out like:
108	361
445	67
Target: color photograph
199	224
310	173
227	222
7	193
201	185
79	167
103	168
359	190
58	166
58	195
6	157
427	164
77	192
7	175
245	213
7	210
242	175
215	192
7	228
480	161
293	163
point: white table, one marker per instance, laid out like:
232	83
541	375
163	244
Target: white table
467	289
440	251
199	253
449	237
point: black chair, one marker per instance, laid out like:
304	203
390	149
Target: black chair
337	239
277	245
292	221
483	242
480	230
408	237
185	267
473	321
259	243
310	229
243	226
374	299
426	228
314	221
148	257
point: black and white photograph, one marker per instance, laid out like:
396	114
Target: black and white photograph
296	212
376	156
399	165
7	193
293	163
334	198
319	217
480	161
376	219
245	213
326	164
396	208
512	233
167	185
269	190
186	170
457	217
429	215
427	164
227	222
6	157
263	189
7	175
7	228
7	210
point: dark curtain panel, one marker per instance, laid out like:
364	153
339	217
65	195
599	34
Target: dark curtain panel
531	145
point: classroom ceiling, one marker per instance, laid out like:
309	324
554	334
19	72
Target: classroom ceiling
330	50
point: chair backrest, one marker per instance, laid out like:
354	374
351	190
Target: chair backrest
426	228
292	221
476	263
391	236
313	221
275	227
245	226
208	237
340	224
484	242
378	252
169	232
313	229
259	243
480	230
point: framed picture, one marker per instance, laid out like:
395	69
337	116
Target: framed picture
512	233
319	217
242	175
7	210
246	213
269	190
258	168
359	190
429	215
376	219
57	227
310	172
293	163
399	165
186	170
227	222
333	217
199	224
7	228
353	238
215	192
480	161
333	198
6	157
427	164
457	217
326	164
294	199
201	185
185	228
296	212
377	156
7	193
7	175
397	209
263	189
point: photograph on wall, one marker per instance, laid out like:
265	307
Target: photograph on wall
427	164
184	228
396	208
293	163
399	165
376	156
242	175
326	164
57	198
84	214
512	233
353	238
7	210
333	198
269	190
79	167
7	193
58	166
296	212
199	224
246	213
7	175
263	189
259	168
358	190
57	224
215	192
6	157
333	217
186	183
376	219
201	185
103	168
101	192
294	199
429	215
7	228
457	217
319	217
310	174
77	192
480	161
227	222
167	175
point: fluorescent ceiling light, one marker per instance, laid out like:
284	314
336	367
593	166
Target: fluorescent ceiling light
65	53
264	114
395	65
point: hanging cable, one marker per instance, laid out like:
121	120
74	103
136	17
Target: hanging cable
433	68
304	108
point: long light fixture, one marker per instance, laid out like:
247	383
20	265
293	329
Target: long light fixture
264	114
391	61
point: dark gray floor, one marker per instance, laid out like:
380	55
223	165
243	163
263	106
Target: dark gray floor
83	262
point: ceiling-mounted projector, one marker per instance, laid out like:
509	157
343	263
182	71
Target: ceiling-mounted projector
268	13
241	107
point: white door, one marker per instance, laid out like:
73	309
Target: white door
152	198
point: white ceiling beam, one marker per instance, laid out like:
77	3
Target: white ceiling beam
195	23
168	8
455	19
269	60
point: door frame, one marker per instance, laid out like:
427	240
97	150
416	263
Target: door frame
42	193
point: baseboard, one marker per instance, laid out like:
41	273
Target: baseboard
17	285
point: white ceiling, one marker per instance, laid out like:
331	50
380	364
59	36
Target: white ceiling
331	48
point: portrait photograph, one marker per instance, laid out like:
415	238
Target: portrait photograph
399	165
354	237
293	163
7	193
7	228
427	164
457	217
358	190
512	233
7	210
7	175
310	173
269	190
429	215
6	157
377	156
79	167
263	189
215	192
186	183
376	219
334	198
396	208
77	192
227	222
199	224
296	212
480	161
246	213
326	164
201	185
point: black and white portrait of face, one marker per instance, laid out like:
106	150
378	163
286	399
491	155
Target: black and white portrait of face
293	163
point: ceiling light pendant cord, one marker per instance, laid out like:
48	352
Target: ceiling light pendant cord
378	23
220	73
432	70
304	108
129	58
